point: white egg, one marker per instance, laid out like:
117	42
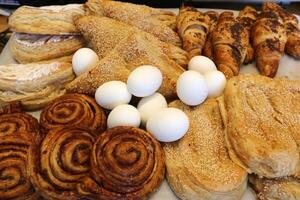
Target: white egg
215	81
83	60
124	115
144	81
150	105
168	124
201	64
191	88
111	94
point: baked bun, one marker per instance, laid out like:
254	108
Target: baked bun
198	165
28	48
53	20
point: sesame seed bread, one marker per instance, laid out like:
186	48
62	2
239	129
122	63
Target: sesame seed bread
198	165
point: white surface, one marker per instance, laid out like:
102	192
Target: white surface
288	67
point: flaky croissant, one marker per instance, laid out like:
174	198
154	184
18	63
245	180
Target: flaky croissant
268	39
193	27
247	17
290	21
230	41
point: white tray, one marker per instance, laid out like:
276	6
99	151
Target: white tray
288	67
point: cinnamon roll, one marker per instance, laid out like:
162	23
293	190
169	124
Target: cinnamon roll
18	123
14	178
127	163
75	110
60	161
11	107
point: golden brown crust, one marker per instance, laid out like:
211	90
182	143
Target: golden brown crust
269	39
104	34
131	52
155	21
58	163
127	163
54	20
260	113
28	48
76	110
198	165
230	41
10	107
193	27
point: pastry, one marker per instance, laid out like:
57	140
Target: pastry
58	163
53	20
262	121
35	84
12	107
155	21
104	34
74	110
16	123
290	21
230	41
208	48
193	27
198	166
247	17
268	39
130	53
126	163
27	48
273	189
14	177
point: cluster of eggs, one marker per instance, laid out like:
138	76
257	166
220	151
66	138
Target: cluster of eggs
202	80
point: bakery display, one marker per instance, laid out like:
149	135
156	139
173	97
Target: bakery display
11	107
262	117
104	34
34	84
74	110
127	163
155	21
28	48
193	27
53	20
57	163
198	166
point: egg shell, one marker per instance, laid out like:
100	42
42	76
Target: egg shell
150	105
83	60
216	82
201	64
168	124
124	115
111	94
144	81
191	88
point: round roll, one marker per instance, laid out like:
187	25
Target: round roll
18	123
74	110
128	163
14	179
60	161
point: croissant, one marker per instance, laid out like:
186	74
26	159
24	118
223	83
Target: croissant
230	41
208	49
290	21
193	27
268	38
247	17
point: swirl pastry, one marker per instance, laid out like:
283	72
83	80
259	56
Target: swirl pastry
53	20
74	110
34	84
28	48
11	107
14	177
60	161
198	165
17	123
127	163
